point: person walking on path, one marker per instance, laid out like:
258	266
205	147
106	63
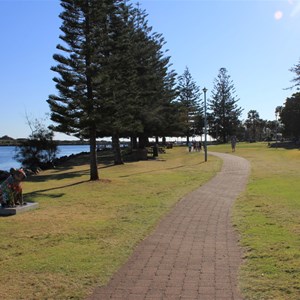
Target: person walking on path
233	143
194	252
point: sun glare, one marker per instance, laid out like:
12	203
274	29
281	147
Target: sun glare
278	15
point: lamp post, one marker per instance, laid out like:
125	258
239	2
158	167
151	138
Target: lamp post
205	125
276	115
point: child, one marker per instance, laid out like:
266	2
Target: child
11	189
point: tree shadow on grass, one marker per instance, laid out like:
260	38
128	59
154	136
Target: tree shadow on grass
66	172
58	176
81	161
285	145
31	197
155	170
69	175
40	193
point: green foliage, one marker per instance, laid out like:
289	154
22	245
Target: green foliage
296	79
255	126
39	150
85	35
223	118
155	83
190	109
113	77
290	116
257	129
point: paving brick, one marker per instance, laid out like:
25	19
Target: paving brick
193	253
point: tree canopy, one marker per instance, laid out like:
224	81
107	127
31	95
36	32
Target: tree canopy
113	75
190	108
224	113
290	116
39	150
296	80
114	78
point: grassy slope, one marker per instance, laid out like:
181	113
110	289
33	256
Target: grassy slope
83	231
268	217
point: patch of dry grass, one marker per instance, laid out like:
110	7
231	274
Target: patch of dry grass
83	231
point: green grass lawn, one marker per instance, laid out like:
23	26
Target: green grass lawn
83	231
268	218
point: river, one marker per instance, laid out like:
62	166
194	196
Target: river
7	154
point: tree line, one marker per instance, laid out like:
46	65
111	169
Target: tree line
287	123
114	78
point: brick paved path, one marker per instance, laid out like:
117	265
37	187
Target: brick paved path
193	253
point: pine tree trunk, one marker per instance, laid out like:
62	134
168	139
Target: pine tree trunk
117	149
93	156
134	142
143	141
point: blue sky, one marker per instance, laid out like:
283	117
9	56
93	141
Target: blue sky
257	41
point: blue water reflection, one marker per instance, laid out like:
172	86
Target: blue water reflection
7	154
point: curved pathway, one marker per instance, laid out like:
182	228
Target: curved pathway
193	253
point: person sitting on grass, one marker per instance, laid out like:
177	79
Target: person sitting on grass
11	189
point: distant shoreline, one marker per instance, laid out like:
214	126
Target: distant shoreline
17	142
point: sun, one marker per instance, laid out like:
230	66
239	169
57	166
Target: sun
278	15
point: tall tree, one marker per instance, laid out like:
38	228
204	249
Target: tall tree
296	79
155	83
84	35
190	109
224	114
290	116
119	78
252	123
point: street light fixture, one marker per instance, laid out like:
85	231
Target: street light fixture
205	125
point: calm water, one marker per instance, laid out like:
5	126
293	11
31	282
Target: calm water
7	153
